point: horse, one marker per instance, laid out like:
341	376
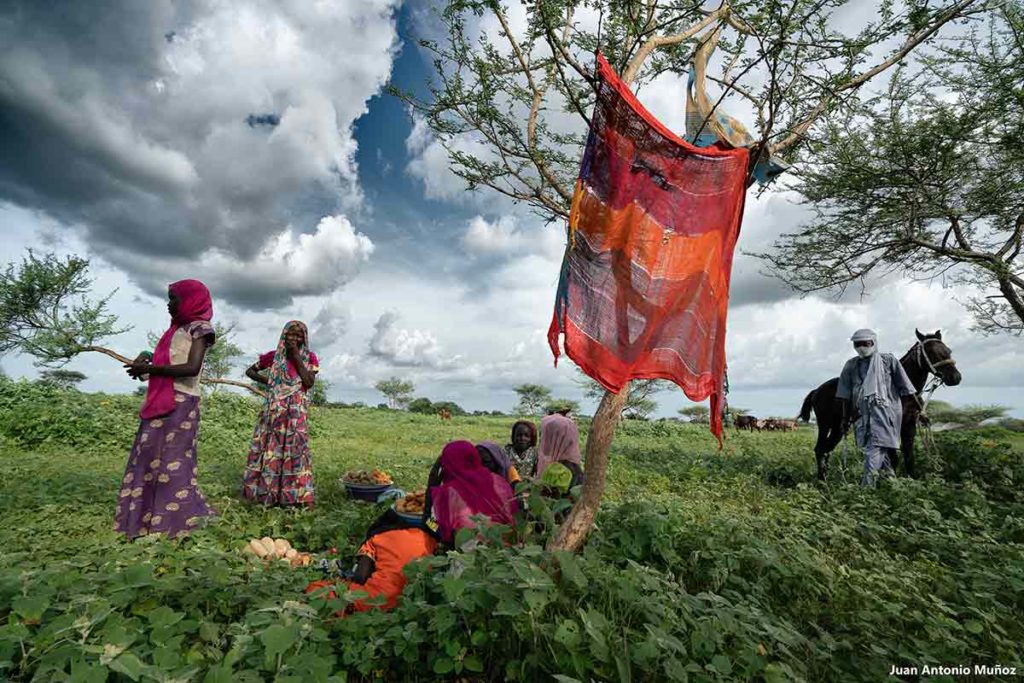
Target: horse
928	356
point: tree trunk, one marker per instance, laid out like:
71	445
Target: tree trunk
1012	297
574	531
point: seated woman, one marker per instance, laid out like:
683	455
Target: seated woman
558	459
460	487
522	452
494	458
391	543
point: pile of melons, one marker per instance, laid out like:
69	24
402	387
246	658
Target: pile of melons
268	548
413	503
364	478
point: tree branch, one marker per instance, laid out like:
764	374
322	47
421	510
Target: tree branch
635	64
205	380
801	129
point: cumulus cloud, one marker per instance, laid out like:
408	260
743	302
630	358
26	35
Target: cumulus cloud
505	237
196	130
331	322
291	264
429	164
402	347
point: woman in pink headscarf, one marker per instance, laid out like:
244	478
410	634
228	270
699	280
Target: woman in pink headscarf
558	458
159	491
462	488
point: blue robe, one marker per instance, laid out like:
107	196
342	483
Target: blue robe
879	422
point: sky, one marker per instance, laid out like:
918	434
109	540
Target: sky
251	145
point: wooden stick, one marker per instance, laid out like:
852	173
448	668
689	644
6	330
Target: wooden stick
205	380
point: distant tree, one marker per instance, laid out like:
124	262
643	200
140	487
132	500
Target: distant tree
558	405
639	404
1012	423
396	390
141	390
62	379
421	405
639	408
318	394
532	398
453	408
699	413
941	412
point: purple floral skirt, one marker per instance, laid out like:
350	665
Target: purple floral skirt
160	493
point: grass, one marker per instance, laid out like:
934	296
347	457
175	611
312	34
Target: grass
916	570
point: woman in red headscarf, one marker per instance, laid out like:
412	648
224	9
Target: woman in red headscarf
461	488
159	491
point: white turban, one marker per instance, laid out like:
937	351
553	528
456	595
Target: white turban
865	335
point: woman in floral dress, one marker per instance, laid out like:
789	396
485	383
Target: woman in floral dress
279	470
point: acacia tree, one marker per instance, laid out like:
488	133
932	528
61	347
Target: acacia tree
700	414
926	180
511	108
61	378
397	390
562	405
46	313
532	398
639	402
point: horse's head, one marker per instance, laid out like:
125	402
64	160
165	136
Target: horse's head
937	357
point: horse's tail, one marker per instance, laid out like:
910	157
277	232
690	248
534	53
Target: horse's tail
805	409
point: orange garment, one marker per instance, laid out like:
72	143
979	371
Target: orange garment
390	552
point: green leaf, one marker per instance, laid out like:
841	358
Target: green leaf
570	567
129	665
30	607
277	639
443	665
722	664
221	673
473	663
568	634
974	626
164	616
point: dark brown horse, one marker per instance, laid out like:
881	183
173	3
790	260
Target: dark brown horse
929	356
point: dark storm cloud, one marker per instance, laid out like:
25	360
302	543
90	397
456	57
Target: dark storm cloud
173	131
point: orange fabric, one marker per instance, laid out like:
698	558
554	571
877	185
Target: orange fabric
390	551
644	288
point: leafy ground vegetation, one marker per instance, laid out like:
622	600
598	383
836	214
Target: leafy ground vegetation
705	566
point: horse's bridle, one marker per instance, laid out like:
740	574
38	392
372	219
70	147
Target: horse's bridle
919	347
936	379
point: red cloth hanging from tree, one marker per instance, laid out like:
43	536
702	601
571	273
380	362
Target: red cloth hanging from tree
644	289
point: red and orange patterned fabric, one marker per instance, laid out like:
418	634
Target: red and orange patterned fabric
644	288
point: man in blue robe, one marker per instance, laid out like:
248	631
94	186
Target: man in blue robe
871	386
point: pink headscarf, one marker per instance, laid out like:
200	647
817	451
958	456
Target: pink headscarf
193	304
559	442
468	488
